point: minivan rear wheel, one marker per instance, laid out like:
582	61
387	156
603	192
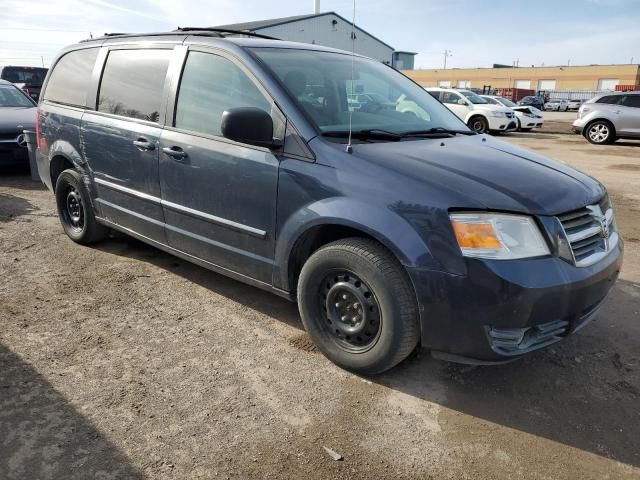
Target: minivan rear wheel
600	132
75	210
358	306
478	124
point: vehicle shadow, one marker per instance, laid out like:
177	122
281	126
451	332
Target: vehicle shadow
582	392
12	207
19	177
253	297
43	436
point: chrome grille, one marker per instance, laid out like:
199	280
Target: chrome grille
591	232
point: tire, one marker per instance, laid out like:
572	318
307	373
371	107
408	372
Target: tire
600	132
360	278
75	209
478	124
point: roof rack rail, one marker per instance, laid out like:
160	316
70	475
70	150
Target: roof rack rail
114	34
222	31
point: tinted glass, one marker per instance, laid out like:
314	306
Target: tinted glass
611	99
450	97
632	101
71	76
31	75
210	85
323	84
132	83
473	98
12	97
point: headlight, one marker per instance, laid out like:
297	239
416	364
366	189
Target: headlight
498	236
497	114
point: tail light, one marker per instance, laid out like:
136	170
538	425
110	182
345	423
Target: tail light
38	128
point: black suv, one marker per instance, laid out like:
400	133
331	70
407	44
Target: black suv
29	79
391	227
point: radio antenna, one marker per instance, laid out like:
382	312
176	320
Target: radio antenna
353	52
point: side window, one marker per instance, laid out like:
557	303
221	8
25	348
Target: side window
210	85
132	83
450	97
70	78
631	101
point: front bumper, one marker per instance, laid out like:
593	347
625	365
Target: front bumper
502	310
12	154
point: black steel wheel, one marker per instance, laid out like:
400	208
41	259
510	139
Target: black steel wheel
75	210
358	305
478	124
352	311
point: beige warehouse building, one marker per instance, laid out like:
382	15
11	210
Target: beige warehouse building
583	77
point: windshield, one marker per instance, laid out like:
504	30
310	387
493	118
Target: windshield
506	102
10	96
33	75
378	97
473	98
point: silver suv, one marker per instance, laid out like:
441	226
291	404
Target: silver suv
609	116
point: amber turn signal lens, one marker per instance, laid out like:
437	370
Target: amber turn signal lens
475	235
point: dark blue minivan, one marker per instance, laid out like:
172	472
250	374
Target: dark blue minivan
390	222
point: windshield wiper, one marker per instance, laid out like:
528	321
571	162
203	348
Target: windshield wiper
371	133
436	131
381	134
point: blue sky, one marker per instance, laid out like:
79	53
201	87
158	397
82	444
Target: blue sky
501	31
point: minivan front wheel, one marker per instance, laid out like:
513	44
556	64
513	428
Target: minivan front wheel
478	124
75	211
600	132
358	306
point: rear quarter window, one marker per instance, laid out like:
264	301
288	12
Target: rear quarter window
70	78
132	83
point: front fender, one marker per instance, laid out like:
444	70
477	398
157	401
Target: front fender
385	225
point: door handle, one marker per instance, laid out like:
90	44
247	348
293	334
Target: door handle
144	144
175	152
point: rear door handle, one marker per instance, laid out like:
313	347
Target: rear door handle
175	152
144	144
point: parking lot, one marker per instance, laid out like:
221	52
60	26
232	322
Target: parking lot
120	361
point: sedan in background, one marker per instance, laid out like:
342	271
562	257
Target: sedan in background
17	113
574	104
557	105
532	101
528	117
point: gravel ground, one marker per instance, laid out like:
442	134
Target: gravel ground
121	362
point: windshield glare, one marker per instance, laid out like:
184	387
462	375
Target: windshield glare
473	98
11	97
506	102
378	97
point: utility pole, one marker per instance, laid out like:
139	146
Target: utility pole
42	59
447	53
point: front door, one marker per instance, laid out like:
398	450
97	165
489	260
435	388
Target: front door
121	140
628	122
451	100
219	196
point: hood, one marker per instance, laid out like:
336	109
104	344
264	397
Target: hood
480	172
12	117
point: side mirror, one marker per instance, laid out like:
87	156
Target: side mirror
462	102
249	125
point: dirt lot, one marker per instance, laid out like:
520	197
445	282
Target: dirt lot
120	362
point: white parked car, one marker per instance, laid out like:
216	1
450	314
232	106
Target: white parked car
557	105
480	115
527	117
574	104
